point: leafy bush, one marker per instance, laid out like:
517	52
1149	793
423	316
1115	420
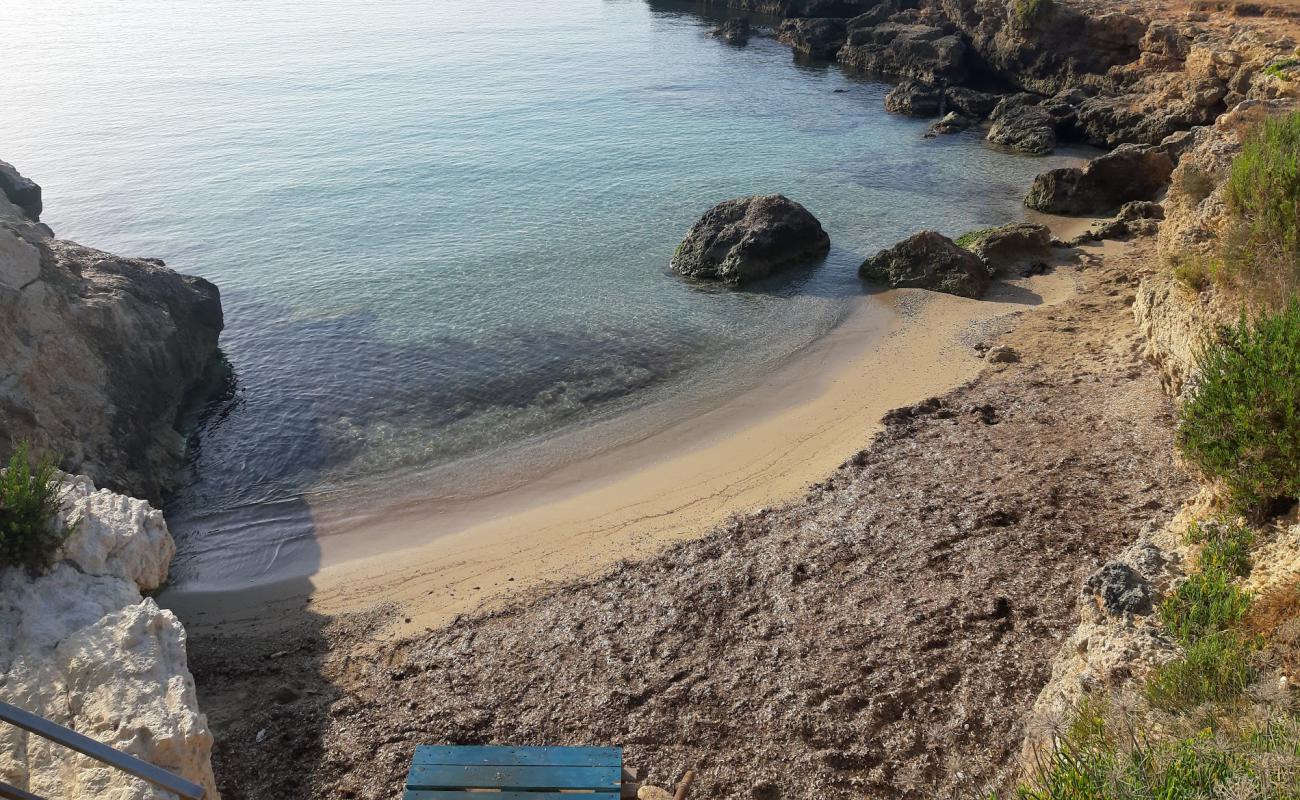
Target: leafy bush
1282	69
1241	423
1261	251
29	501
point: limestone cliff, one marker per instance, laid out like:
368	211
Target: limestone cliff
97	352
79	645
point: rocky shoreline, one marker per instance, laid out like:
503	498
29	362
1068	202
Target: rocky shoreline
890	633
100	353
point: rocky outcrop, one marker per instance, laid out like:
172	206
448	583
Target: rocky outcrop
742	240
1022	123
22	192
913	99
1130	172
1013	248
929	260
817	37
81	647
97	352
930	54
733	31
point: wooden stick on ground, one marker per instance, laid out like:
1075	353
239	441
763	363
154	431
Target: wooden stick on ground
684	785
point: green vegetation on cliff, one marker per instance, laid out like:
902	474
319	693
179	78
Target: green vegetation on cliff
1241	422
29	501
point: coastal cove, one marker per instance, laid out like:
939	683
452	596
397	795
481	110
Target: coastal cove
372	372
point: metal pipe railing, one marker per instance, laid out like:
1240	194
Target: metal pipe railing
97	750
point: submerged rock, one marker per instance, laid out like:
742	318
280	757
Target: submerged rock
99	352
929	260
952	122
748	238
1130	172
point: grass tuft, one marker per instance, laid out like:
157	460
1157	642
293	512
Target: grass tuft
29	503
1225	547
1216	668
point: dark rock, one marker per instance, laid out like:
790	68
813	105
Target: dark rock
749	238
1130	172
734	31
1022	123
1141	209
970	102
1002	354
819	37
929	54
1119	590
1014	247
22	192
101	352
952	122
1175	144
929	260
913	99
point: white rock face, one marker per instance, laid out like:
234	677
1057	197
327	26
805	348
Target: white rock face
81	647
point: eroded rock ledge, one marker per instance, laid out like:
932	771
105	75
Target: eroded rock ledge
80	646
97	352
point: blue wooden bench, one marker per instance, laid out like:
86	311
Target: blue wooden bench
517	773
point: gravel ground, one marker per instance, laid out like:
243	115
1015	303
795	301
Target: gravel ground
883	638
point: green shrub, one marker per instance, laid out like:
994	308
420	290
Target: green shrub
1216	668
1225	547
1241	422
29	501
1282	69
1261	251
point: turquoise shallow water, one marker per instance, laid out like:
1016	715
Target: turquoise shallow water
442	228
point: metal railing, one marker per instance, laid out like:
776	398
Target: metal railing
99	751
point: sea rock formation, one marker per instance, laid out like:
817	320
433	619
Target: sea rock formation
816	37
733	31
1130	172
1021	122
748	238
98	351
929	260
931	54
81	647
911	98
1013	247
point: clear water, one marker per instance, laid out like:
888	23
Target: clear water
442	228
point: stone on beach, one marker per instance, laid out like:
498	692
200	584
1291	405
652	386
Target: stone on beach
929	260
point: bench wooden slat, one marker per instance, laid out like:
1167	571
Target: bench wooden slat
519	756
448	776
451	794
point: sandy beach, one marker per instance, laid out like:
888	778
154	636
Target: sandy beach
763	447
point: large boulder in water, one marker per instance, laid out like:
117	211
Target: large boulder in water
748	238
929	260
1129	172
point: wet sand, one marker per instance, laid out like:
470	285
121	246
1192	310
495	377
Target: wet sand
760	448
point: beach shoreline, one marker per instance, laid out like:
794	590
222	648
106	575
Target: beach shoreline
761	447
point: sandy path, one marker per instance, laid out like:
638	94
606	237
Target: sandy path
761	448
